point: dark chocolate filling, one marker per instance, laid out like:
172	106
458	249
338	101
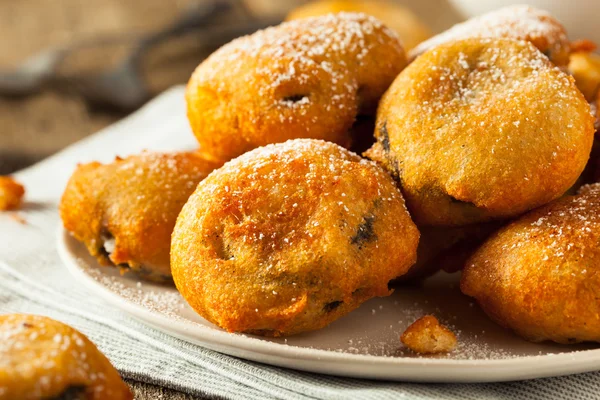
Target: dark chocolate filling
294	98
141	269
455	200
71	393
329	307
384	137
365	232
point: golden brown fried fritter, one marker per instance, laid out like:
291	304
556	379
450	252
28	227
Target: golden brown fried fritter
308	78
480	129
402	20
11	193
514	22
585	68
124	212
289	237
45	359
540	275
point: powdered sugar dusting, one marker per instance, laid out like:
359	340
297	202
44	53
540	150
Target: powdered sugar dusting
303	54
400	314
336	158
515	22
167	302
566	227
172	175
162	168
511	69
459	92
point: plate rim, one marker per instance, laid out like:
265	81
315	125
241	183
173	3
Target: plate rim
282	355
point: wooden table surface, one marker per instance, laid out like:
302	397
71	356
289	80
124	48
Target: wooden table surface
37	126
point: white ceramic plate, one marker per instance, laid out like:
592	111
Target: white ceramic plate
363	344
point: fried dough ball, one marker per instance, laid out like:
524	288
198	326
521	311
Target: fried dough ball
540	275
519	22
41	358
308	78
289	237
11	193
124	212
585	68
427	336
402	20
481	129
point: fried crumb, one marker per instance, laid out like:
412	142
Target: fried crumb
427	336
11	193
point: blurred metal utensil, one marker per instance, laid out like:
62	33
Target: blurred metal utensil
122	86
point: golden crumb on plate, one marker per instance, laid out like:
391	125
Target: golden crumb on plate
427	336
11	193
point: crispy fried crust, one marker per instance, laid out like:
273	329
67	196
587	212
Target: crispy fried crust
289	237
585	68
302	79
514	22
124	212
44	359
481	129
11	193
540	275
427	336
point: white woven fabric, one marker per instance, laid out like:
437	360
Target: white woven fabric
33	280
